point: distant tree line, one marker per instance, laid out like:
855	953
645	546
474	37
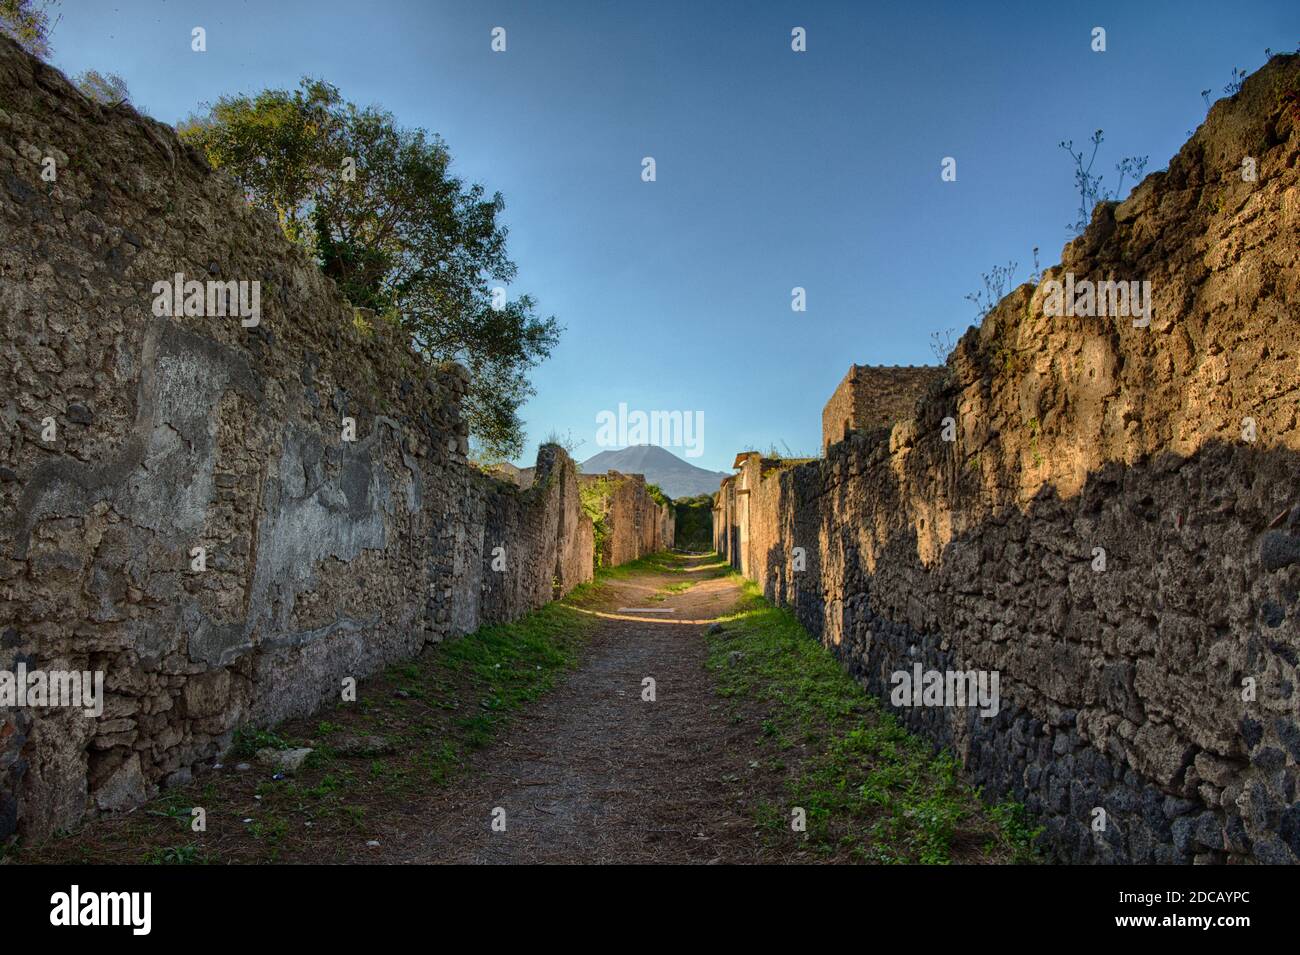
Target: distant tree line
694	522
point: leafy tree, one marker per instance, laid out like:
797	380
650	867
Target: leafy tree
694	522
29	24
378	207
657	495
106	89
280	146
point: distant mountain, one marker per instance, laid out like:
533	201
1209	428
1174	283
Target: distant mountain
675	477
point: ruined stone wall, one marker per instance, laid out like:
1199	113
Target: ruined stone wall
129	440
874	396
725	524
517	549
665	533
636	524
1114	528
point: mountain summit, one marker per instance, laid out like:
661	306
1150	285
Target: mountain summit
675	477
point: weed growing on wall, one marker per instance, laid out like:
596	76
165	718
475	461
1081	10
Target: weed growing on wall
595	497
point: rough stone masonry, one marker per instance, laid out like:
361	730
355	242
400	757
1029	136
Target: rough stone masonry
1106	514
225	517
873	396
637	524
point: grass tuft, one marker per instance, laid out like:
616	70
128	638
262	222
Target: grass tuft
433	711
870	790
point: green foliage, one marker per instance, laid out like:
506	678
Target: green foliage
661	563
595	502
658	496
187	854
278	145
869	788
787	454
460	694
1017	830
694	517
107	89
512	664
1035	429
249	740
172	808
378	208
29	24
595	495
568	442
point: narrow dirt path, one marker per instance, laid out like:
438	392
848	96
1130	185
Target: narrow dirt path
577	762
594	773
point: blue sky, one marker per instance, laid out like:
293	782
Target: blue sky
775	169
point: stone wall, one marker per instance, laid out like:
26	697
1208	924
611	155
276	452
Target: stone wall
516	549
1113	528
726	521
635	523
132	439
871	397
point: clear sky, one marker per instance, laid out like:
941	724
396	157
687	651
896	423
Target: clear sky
775	169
